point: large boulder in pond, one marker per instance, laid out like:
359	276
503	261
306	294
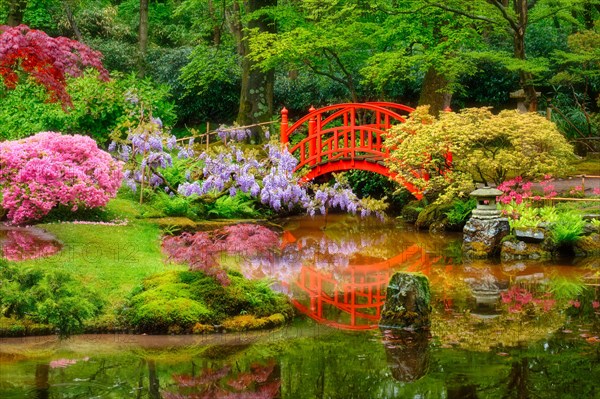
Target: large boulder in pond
407	303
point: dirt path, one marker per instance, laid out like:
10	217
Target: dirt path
591	185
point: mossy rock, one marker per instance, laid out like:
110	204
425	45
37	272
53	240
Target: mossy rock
587	245
175	224
476	250
522	250
407	304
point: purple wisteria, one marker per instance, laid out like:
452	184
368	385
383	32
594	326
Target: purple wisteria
266	175
270	178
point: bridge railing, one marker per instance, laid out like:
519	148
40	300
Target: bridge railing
342	131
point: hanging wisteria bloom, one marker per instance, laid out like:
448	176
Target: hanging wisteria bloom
146	150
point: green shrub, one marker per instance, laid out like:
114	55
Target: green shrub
98	107
49	297
240	206
188	298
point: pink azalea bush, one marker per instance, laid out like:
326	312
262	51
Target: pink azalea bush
518	298
50	169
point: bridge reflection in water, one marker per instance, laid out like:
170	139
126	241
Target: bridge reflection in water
336	271
337	275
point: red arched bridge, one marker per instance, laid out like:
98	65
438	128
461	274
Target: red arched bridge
343	137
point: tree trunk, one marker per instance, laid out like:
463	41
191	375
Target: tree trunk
153	383
256	96
143	38
16	9
434	93
216	25
525	78
518	379
72	22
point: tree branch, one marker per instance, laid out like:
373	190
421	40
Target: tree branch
550	14
460	12
323	73
511	21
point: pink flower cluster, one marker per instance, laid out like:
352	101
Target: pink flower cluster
48	169
516	190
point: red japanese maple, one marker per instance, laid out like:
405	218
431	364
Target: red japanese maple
48	60
201	250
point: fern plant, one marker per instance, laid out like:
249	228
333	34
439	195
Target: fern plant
460	211
240	206
567	228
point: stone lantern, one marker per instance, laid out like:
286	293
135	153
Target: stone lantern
485	229
486	203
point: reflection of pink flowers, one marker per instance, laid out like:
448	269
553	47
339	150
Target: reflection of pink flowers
23	244
517	298
64	363
260	382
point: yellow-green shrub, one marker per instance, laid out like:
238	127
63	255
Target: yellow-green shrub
485	147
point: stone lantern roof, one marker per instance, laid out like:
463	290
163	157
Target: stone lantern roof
486	203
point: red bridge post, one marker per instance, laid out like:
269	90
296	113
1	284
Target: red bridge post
312	144
284	127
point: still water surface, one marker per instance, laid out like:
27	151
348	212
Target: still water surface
500	330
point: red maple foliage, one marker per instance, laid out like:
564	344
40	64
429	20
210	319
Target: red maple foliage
201	250
48	60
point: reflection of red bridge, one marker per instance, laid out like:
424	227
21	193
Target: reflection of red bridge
354	299
344	137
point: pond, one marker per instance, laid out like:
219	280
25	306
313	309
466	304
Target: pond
507	330
22	243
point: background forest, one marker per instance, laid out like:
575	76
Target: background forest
218	61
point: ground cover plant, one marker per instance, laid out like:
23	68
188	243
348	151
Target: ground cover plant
186	300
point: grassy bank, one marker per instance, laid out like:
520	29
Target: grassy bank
112	261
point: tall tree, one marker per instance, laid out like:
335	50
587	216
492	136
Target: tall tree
143	38
513	17
256	95
332	39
